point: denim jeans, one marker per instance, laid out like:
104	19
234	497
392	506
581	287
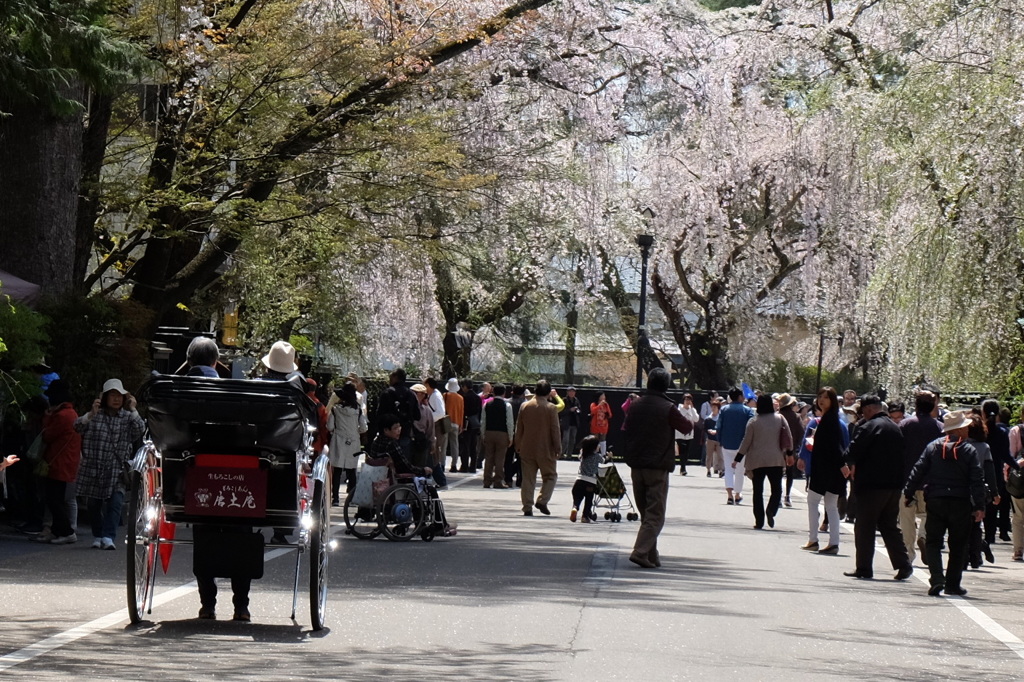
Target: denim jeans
106	515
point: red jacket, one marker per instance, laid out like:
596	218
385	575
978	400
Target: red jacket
63	444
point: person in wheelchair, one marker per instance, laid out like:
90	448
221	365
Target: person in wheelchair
385	447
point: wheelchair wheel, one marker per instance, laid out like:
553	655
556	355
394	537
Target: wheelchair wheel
320	537
142	543
403	511
362	522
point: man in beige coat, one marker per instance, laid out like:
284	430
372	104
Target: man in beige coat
538	442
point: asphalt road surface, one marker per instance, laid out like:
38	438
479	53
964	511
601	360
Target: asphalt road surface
525	598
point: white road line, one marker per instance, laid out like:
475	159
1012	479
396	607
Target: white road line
49	644
68	636
986	623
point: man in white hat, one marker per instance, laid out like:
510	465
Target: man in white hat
950	473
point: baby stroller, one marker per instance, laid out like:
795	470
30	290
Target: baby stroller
610	493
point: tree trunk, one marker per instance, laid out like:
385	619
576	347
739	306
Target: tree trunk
40	173
94	149
572	320
456	361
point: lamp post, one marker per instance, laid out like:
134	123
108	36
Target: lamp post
821	352
644	241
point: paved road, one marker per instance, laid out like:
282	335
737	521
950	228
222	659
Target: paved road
527	598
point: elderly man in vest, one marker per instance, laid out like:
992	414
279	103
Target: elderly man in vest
538	441
650	453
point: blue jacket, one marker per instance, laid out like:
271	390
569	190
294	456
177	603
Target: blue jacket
732	424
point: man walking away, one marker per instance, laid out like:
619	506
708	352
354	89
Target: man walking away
918	431
954	484
650	453
875	458
538	442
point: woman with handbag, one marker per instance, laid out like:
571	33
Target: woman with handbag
767	446
825	442
109	433
61	456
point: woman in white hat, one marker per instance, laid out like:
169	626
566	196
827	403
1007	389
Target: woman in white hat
109	433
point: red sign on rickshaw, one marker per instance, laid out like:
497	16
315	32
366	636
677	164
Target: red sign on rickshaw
225	491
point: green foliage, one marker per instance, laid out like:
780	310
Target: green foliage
786	377
94	339
48	46
301	344
23	345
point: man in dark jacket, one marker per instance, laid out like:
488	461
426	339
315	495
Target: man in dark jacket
875	458
470	435
398	400
650	453
950	473
918	431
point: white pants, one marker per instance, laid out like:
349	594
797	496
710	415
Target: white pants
814	516
733	477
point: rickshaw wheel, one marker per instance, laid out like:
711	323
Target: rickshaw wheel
320	537
403	513
142	545
356	520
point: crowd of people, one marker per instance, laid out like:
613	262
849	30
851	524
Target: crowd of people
925	479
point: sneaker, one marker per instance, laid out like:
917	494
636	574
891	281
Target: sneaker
573	513
108	543
66	540
97	543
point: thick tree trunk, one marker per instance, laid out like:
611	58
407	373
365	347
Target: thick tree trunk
572	319
40	174
456	361
94	149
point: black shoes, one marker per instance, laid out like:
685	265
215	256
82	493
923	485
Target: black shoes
1004	536
858	575
830	549
954	591
543	508
810	546
641	561
904	573
771	521
207	613
987	551
528	512
935	590
242	615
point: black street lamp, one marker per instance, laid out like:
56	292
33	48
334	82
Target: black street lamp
821	353
644	241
